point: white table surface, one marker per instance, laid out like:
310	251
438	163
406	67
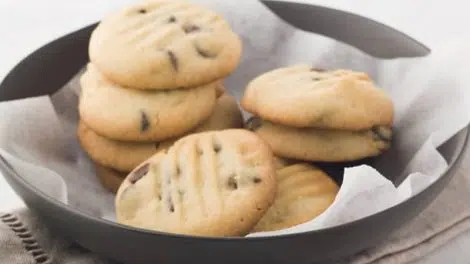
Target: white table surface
27	24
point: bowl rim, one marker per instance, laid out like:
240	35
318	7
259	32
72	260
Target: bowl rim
101	221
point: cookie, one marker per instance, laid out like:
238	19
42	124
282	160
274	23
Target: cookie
164	44
300	96
226	115
314	144
126	114
126	155
110	179
217	183
303	193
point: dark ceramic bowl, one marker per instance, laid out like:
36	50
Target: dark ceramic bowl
50	67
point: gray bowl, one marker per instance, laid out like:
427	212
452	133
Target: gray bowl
50	67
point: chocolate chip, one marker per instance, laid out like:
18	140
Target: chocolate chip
204	53
144	121
232	183
217	147
139	173
157	145
171	206
142	11
173	60
381	133
178	170
253	123
190	28
317	69
172	19
256	180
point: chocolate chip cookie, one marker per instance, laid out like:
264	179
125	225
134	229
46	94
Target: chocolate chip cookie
164	44
325	145
109	178
120	113
303	192
217	183
302	96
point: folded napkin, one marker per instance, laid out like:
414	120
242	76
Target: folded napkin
25	240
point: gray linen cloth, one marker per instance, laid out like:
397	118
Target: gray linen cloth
25	240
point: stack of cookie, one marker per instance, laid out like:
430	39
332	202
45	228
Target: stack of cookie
317	115
155	75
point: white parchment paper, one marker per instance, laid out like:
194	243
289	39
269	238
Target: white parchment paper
431	95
